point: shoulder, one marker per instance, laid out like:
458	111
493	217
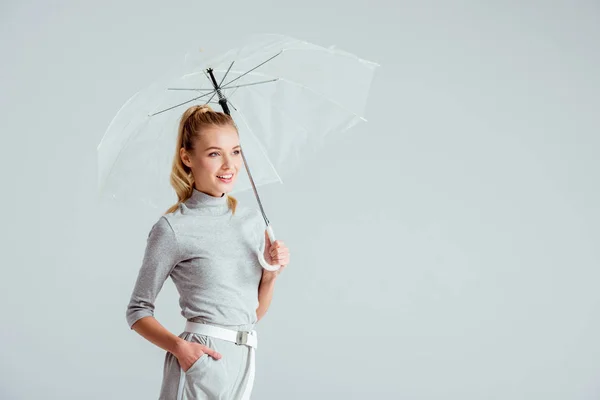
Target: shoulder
249	214
163	227
251	223
162	242
172	220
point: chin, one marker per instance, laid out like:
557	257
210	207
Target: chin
221	185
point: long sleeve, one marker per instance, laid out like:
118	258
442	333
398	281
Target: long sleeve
160	257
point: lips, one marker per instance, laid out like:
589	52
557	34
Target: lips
228	178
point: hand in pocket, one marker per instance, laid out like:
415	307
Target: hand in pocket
190	352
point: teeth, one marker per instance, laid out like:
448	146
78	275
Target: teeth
225	176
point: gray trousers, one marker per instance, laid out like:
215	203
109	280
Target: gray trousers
207	378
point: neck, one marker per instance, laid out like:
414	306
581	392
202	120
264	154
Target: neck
207	203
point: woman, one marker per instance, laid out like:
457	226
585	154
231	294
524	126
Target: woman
210	248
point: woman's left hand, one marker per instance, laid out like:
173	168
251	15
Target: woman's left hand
276	253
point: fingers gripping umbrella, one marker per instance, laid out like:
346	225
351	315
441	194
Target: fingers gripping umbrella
285	95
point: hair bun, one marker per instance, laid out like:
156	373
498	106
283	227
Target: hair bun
203	108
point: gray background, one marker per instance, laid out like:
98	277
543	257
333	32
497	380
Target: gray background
448	249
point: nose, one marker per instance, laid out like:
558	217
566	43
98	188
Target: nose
227	162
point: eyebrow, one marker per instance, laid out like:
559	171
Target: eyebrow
218	148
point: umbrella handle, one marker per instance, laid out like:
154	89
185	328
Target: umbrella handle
261	256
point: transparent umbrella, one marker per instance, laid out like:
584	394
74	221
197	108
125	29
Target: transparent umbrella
285	95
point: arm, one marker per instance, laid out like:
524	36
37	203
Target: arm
161	256
265	293
274	254
154	332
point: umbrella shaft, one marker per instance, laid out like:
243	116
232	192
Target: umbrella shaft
215	85
224	106
262	210
223	103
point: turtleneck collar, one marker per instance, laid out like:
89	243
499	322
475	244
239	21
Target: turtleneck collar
204	203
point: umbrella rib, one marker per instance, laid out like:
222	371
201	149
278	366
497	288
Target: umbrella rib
247	72
228	97
180	104
329	99
231	104
204	90
226	73
211	97
251	84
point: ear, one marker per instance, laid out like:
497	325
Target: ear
185	158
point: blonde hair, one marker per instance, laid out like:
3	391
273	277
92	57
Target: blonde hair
193	120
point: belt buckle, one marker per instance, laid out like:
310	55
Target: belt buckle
242	338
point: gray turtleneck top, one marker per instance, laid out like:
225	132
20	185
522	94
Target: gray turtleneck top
212	257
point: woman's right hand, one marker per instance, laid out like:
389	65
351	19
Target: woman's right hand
189	352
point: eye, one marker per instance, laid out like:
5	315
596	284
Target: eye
236	152
211	154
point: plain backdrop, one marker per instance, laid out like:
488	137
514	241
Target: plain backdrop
446	249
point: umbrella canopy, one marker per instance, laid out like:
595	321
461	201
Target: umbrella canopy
285	95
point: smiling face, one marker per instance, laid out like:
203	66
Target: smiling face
215	160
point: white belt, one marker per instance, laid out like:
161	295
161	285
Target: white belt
247	338
242	338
